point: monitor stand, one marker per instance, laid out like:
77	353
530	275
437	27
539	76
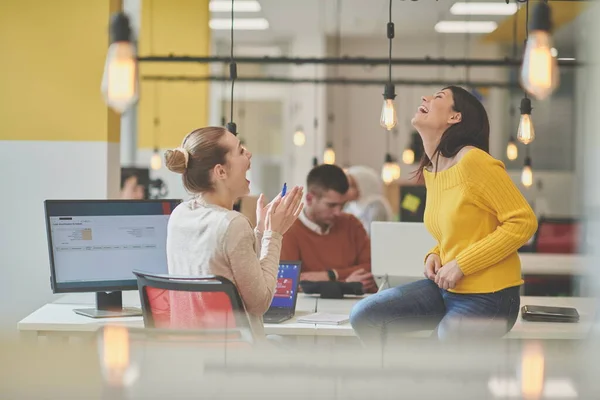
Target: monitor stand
109	305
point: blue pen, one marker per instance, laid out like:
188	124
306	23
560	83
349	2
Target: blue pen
284	189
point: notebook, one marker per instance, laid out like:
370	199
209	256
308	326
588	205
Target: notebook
324	318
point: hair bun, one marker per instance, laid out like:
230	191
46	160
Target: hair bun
177	160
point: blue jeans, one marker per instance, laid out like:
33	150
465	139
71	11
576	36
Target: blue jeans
422	305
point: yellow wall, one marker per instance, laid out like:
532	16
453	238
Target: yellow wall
172	27
53	55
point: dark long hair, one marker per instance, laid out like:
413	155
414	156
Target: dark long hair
472	130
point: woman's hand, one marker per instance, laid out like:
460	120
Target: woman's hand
449	275
282	213
433	263
261	211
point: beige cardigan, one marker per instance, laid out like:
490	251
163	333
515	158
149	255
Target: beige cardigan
205	239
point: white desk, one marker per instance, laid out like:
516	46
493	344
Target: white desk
58	319
521	330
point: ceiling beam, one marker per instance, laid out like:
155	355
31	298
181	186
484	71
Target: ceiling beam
358	61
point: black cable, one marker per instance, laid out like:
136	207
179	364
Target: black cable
325	81
231	65
526	34
354	61
526	21
316	122
390	23
467	44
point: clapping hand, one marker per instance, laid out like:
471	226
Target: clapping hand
282	213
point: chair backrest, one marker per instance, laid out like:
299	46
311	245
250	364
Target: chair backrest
557	235
190	302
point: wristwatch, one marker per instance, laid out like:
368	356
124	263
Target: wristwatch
331	275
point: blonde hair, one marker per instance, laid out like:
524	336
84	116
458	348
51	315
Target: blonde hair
198	154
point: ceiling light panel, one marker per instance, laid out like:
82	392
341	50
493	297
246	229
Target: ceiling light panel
465	26
462	8
238	6
242	24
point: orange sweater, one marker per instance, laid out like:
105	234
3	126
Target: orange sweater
345	248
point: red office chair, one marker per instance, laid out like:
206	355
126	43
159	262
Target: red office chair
200	303
557	235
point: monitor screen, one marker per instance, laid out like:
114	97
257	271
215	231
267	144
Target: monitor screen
95	245
287	285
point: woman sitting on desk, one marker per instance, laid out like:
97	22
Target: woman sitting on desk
206	237
479	220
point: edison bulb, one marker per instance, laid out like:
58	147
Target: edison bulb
329	156
396	171
532	371
119	82
155	161
117	367
389	119
539	71
387	172
512	152
299	138
408	156
527	176
526	133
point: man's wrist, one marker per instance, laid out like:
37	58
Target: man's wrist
332	274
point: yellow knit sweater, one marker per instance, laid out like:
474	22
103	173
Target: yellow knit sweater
480	219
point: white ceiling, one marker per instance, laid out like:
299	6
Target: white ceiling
289	18
363	18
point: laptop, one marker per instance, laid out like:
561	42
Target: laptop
398	252
283	306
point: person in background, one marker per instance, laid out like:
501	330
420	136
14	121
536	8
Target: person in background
131	189
331	244
206	237
365	197
479	219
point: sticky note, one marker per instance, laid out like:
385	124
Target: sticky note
411	203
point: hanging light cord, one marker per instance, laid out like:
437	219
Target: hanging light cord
467	44
390	37
232	65
316	120
514	56
526	31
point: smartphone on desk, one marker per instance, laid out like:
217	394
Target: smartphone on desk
549	314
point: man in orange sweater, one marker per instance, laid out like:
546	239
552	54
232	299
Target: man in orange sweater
332	245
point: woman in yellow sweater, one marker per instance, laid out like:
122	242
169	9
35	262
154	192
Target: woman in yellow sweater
479	219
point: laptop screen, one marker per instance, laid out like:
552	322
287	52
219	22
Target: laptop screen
287	285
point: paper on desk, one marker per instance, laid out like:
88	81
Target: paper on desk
324	318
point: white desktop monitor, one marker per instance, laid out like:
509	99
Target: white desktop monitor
94	245
399	248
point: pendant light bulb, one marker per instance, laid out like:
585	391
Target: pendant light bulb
388	171
408	156
539	71
396	170
120	79
527	173
526	133
512	152
299	137
329	155
388	119
155	161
